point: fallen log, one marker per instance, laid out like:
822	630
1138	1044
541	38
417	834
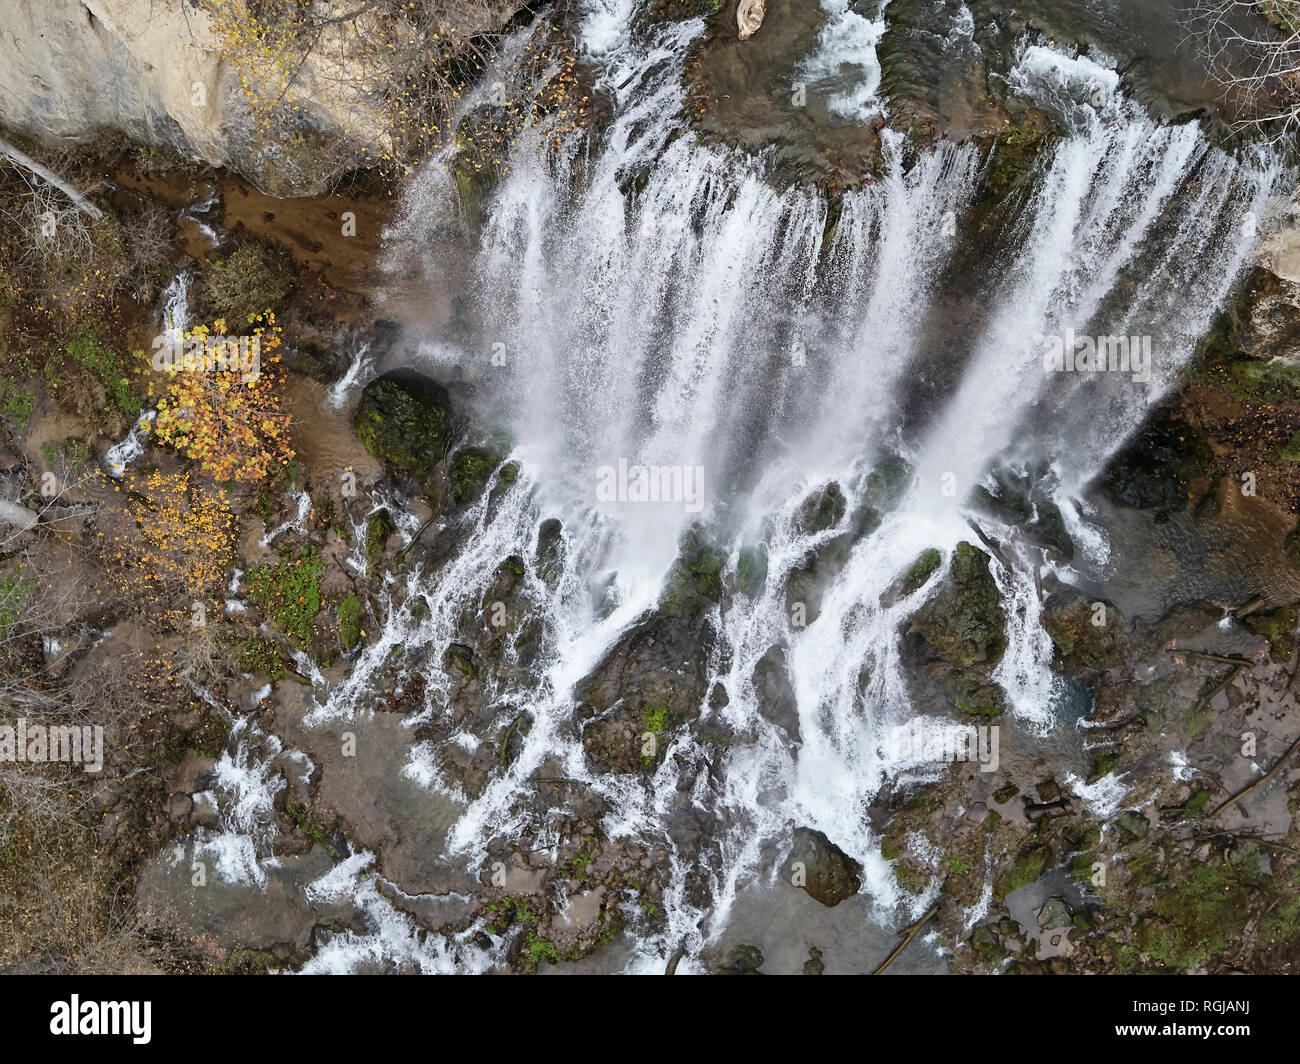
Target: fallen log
28	163
907	934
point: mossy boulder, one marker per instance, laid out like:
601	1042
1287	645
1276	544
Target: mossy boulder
965	622
1029	864
1015	151
470	469
922	569
379	526
972	693
351	614
1278	627
1088	636
925	566
1133	824
742	960
405	420
823	509
1023	497
695	583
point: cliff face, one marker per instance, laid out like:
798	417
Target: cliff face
154	69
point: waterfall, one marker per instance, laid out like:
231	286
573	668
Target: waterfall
660	304
175	320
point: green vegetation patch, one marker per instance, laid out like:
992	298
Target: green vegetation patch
260	657
15	404
256	278
107	366
14	590
288	594
1196	915
351	613
313	825
1291	449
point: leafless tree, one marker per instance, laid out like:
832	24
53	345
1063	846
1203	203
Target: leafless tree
1253	48
411	58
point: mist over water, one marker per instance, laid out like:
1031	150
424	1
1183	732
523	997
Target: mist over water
660	303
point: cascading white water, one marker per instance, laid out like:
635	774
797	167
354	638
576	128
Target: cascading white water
668	307
848	43
176	319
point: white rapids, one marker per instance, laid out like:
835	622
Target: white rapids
659	302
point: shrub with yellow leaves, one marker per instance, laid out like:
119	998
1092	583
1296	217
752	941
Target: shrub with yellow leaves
232	423
184	539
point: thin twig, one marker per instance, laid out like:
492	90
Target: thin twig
1261	781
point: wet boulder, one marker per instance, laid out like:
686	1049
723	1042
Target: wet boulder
1156	469
694	585
406	420
1088	635
650	683
776	697
822	869
742	960
470	469
964	623
822	510
1023	498
926	565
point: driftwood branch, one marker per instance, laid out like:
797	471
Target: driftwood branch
1209	696
907	934
28	163
1225	659
1261	781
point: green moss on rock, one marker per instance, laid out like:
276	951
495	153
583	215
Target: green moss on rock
407	421
965	623
470	469
822	510
1278	627
922	569
695	582
351	613
1016	149
1029	864
379	527
1082	643
1197	914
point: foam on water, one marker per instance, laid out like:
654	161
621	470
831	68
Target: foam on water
845	53
356	377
